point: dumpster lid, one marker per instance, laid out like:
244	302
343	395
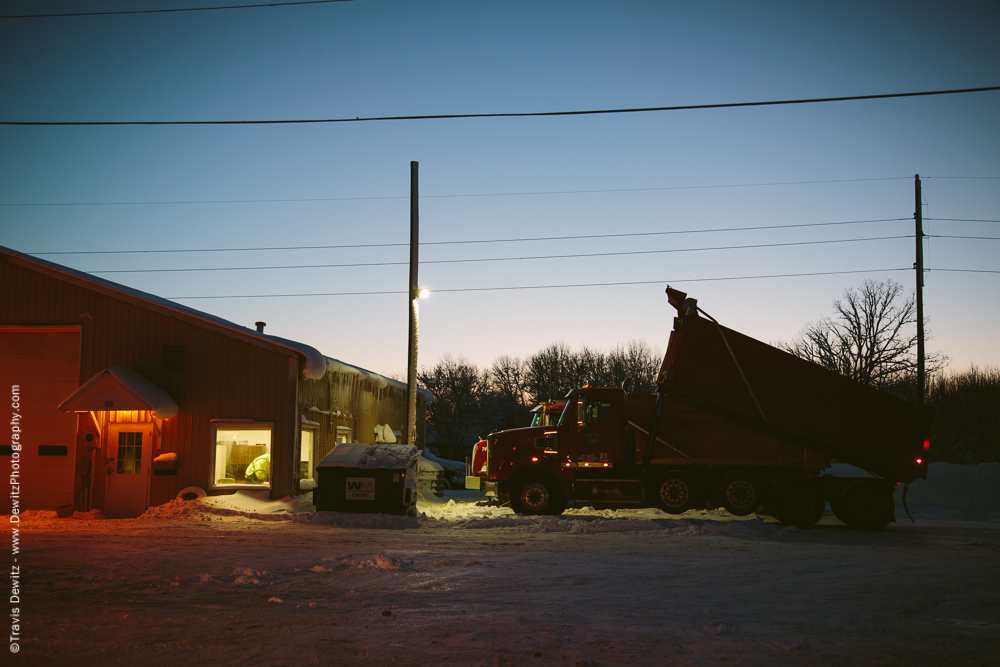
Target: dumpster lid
361	455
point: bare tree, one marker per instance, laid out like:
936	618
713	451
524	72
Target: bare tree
636	362
504	404
871	337
507	377
454	414
548	373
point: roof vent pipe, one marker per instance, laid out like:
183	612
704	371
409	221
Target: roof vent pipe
260	326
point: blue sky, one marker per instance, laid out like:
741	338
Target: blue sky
616	174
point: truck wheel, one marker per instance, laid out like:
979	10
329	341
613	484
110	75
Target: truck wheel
673	493
798	502
536	496
739	494
865	505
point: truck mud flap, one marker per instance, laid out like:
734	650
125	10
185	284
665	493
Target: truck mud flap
906	489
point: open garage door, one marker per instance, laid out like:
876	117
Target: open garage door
39	367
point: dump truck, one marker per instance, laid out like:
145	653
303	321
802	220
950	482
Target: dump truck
546	413
735	423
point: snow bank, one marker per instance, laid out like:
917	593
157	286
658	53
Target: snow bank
956	486
970	489
948	485
474	516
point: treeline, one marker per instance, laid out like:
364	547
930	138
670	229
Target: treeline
470	402
966	416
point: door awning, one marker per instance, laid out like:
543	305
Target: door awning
118	388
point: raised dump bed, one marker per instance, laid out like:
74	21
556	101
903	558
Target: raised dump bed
723	372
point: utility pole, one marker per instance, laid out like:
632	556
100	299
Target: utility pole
918	217
414	294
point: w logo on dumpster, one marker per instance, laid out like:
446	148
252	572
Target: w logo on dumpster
360	488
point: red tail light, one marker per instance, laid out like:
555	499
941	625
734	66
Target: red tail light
919	461
927	445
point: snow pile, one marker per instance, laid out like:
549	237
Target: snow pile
51	515
371	456
346	520
248	575
398	456
252	502
953	485
384	433
948	485
376	562
480	516
748	527
175	509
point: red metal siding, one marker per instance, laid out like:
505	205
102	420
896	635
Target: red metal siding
224	376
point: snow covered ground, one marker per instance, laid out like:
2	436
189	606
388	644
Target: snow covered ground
244	580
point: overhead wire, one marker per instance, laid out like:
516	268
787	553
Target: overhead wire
471	241
496	194
965	270
534	287
520	114
459	195
507	259
171	11
962	219
976	238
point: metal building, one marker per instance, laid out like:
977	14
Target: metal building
121	399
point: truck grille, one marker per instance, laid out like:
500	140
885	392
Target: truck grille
547	442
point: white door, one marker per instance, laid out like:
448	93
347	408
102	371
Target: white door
129	457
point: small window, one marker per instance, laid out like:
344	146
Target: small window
598	411
306	466
242	454
129	453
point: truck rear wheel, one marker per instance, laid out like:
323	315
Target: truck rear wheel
865	505
798	502
536	495
739	494
673	493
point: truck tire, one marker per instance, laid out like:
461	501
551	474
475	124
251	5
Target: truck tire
865	505
740	494
536	495
798	502
673	492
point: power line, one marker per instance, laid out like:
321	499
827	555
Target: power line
455	196
961	220
533	287
170	11
526	114
965	270
431	243
977	238
503	259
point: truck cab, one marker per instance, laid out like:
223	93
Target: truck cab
547	413
583	456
